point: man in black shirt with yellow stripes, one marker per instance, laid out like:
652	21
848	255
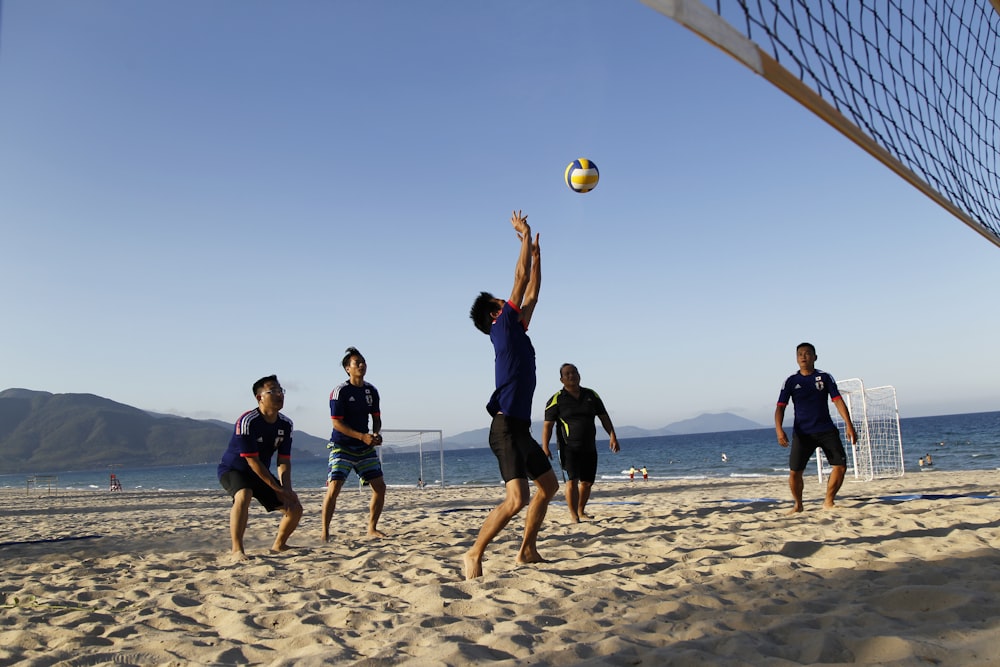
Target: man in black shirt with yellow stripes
571	411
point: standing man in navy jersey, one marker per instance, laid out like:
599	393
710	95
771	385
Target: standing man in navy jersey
813	428
519	456
245	471
351	446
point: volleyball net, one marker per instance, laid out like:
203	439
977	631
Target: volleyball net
912	82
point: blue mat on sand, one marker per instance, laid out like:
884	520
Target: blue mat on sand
602	502
750	500
464	509
938	496
51	539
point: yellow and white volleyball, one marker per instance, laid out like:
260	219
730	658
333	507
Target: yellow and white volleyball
582	175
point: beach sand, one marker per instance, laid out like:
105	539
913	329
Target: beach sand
692	572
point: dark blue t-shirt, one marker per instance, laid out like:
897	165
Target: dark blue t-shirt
254	437
514	365
353	405
810	394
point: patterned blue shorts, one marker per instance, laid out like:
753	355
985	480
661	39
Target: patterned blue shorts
343	460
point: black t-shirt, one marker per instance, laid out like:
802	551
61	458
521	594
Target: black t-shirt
574	417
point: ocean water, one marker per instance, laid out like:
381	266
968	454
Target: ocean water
965	442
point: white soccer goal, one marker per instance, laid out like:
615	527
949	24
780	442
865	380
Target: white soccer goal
878	452
408	440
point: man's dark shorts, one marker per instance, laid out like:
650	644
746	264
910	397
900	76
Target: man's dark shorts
580	463
234	481
520	457
804	444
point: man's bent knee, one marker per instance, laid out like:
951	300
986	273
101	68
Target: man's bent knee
243	497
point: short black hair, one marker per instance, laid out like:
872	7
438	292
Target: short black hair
809	345
563	367
482	311
348	353
259	384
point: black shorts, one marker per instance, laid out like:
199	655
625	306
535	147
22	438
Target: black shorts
520	457
804	444
234	480
580	463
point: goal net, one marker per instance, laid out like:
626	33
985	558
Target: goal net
413	455
878	452
915	83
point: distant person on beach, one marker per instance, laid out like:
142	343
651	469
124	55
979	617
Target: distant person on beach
645	474
631	473
813	428
351	446
244	471
571	411
518	454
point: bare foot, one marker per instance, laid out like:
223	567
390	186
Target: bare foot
530	556
584	515
574	518
472	567
234	557
795	510
828	504
375	534
278	548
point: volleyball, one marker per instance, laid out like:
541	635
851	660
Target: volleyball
582	175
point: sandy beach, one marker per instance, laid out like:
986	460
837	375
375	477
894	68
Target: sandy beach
903	572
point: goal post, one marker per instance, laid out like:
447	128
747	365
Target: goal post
416	439
878	452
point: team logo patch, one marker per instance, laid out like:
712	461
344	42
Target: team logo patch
819	383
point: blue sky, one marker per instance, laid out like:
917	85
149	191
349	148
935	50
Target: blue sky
196	194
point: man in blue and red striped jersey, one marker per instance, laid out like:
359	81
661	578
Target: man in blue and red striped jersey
519	456
813	428
245	469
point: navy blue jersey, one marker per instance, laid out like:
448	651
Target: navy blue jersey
253	437
353	405
574	417
810	394
514	365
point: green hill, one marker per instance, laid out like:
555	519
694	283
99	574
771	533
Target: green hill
40	431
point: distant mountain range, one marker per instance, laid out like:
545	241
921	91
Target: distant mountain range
44	432
705	423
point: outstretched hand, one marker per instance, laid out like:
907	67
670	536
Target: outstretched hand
520	224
